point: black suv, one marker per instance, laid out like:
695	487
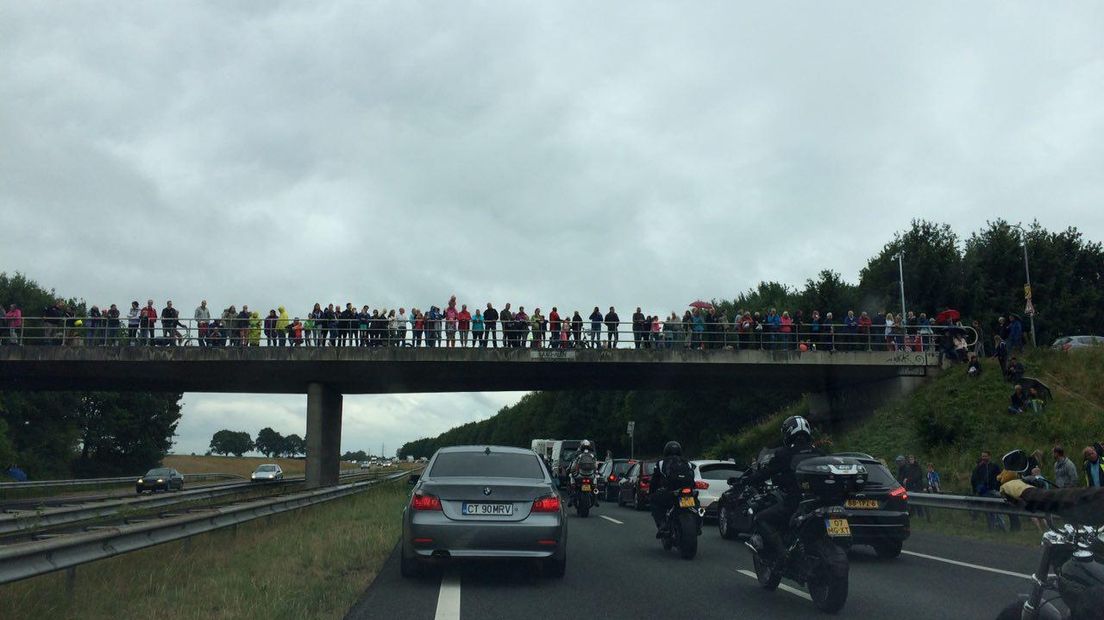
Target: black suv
878	514
611	471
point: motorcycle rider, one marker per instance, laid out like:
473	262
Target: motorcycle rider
584	464
778	465
662	495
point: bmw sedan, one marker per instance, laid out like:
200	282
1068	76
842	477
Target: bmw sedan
484	502
160	479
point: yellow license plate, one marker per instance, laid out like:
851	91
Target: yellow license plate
686	502
837	527
861	503
586	488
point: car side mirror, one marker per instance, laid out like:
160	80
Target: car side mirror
413	479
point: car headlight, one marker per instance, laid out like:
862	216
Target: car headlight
160	479
140	481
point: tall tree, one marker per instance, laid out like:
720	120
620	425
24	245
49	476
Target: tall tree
269	442
934	278
231	442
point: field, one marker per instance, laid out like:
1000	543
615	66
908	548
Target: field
310	563
242	466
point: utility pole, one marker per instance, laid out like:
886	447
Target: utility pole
901	274
1029	307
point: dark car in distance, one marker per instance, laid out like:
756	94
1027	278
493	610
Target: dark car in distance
635	486
609	474
160	479
878	514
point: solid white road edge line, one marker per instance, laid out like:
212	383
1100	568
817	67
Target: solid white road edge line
781	586
967	564
612	520
448	600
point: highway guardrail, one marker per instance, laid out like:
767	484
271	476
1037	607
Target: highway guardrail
24	560
36	484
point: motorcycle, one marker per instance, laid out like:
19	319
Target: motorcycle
1070	564
682	524
814	545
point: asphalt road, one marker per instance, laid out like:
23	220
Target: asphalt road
619	570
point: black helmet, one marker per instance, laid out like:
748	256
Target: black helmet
794	427
586	446
673	448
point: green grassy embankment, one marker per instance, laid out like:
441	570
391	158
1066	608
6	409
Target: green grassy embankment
309	563
952	418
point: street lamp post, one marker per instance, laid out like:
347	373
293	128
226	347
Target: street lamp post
1027	287
901	274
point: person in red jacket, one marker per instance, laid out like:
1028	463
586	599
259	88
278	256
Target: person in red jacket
463	319
554	328
147	319
864	328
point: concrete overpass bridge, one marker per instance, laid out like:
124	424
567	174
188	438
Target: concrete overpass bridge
840	383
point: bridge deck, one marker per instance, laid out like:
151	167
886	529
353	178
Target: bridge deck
357	370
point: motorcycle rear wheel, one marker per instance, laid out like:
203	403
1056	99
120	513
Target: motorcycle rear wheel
582	506
687	535
828	587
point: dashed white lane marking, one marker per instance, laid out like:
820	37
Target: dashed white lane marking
967	565
781	586
448	600
612	520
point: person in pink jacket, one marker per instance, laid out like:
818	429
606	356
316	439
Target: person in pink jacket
451	318
786	328
13	318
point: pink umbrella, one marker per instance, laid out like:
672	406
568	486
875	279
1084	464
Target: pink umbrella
700	304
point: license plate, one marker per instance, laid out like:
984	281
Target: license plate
861	503
686	502
496	510
837	527
586	488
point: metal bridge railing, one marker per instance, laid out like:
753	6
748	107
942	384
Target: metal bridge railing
805	337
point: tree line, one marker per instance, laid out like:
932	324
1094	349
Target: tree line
268	442
79	434
981	275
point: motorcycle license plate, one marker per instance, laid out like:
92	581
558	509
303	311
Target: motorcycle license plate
686	502
586	488
837	527
862	503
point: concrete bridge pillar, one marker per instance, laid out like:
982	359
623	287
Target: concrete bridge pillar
837	403
323	435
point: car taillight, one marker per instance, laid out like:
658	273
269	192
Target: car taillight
613	478
550	503
899	493
701	484
425	501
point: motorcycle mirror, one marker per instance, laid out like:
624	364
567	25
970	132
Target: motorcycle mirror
413	479
1016	461
733	481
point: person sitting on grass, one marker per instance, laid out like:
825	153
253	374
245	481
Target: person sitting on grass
1035	402
973	369
1019	400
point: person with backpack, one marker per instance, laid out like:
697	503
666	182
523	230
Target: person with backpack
584	464
671	473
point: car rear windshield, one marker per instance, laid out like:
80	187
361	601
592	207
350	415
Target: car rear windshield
621	467
158	472
878	475
719	472
483	465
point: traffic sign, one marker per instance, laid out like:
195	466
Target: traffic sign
631	428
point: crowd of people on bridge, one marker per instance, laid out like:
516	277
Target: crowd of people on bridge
455	324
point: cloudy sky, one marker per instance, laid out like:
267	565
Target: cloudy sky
568	153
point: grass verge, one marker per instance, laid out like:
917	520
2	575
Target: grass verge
309	563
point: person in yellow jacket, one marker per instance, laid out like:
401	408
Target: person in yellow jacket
282	323
254	329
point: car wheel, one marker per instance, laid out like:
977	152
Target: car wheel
888	549
556	566
724	524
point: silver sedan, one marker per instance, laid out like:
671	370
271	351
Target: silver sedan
484	502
